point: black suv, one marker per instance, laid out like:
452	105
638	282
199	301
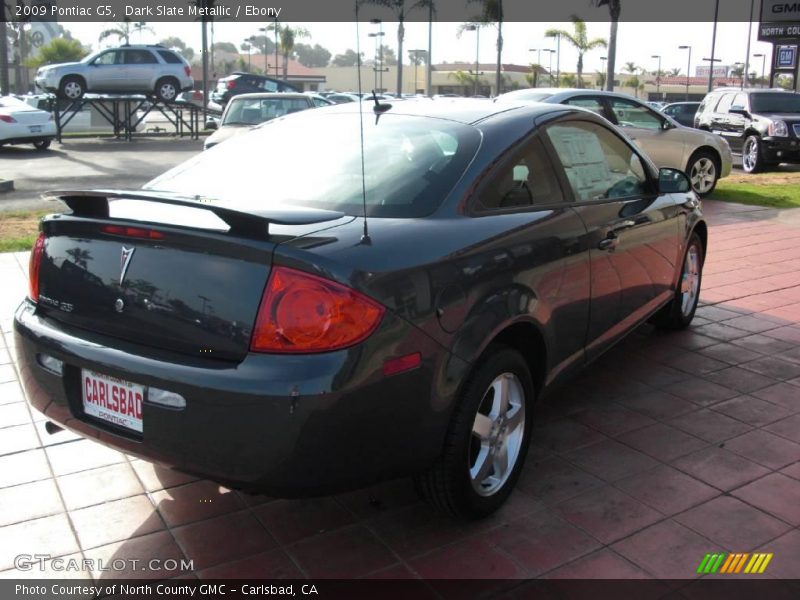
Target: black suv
247	83
762	125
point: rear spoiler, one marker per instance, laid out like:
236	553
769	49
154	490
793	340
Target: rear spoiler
242	221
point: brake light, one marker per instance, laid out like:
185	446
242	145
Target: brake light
231	84
134	232
188	70
7	119
302	313
33	268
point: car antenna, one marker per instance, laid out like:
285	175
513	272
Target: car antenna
365	239
379	108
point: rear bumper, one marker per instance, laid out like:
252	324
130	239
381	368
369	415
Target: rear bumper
28	140
288	426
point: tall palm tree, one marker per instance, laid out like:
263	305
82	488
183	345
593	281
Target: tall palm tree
674	72
633	81
287	36
491	14
123	30
578	38
614	10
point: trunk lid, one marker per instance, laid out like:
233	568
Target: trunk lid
193	287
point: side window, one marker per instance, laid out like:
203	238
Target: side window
597	162
169	57
139	57
725	103
320	102
525	179
740	100
592	104
630	114
107	58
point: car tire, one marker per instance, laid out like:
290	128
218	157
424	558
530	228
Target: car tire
678	314
72	87
41	145
167	89
467	480
703	172
752	155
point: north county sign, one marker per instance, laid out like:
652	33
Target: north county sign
779	20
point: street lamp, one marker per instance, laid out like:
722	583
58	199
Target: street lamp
712	60
550	51
249	42
277	30
740	65
538	64
477	31
658	74
763	58
417	54
688	67
378	68
603	60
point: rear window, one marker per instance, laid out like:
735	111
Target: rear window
410	164
170	57
252	111
775	102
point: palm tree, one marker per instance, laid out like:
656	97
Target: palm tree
491	14
601	79
287	36
633	82
123	30
674	72
614	10
579	40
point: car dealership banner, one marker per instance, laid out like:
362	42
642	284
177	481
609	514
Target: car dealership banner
779	20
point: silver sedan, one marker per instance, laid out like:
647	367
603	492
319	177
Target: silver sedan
703	156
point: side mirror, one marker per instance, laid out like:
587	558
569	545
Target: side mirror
666	125
672	181
739	110
211	123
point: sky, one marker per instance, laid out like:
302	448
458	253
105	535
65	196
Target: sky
637	42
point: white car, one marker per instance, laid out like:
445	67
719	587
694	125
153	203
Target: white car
23	124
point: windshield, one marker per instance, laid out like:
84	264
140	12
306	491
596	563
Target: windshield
411	164
252	111
775	102
528	95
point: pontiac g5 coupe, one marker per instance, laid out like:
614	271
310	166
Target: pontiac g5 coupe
333	314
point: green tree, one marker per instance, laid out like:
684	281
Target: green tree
601	79
57	50
579	40
286	40
314	57
674	72
491	14
614	11
389	57
123	30
533	77
348	59
178	45
568	80
225	47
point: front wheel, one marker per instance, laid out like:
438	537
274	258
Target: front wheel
487	440
166	89
71	88
41	144
752	155
678	314
703	171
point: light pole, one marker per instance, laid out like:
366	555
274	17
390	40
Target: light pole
763	58
658	75
249	42
378	68
740	65
417	54
603	60
745	81
688	67
477	31
550	51
538	64
711	62
558	60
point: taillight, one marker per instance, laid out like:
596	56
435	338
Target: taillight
231	84
302	313
188	70
33	268
7	119
134	232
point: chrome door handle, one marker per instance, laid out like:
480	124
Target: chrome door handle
622	225
609	242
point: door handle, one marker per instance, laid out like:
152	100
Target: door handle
622	225
609	243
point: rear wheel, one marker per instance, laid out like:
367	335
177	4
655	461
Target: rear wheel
41	144
752	155
167	89
72	88
678	314
487	440
703	170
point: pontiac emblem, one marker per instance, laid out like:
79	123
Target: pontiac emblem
124	261
119	305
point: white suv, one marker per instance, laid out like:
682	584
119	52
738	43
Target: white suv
153	70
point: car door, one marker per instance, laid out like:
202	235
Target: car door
736	123
540	251
719	116
632	232
139	66
105	73
655	135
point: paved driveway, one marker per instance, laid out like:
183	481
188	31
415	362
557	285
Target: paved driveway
674	445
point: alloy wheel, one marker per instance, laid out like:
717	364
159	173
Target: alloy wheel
497	434
703	175
690	281
73	90
750	154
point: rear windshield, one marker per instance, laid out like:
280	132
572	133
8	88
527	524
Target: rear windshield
169	57
775	102
252	111
313	159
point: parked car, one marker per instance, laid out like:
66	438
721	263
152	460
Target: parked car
342	98
703	156
247	83
130	69
248	110
682	112
300	325
761	125
318	100
87	119
24	124
656	104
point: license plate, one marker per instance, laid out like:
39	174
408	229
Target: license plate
113	400
35	128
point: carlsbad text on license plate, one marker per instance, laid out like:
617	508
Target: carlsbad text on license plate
113	400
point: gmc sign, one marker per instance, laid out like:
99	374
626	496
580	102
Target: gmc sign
779	10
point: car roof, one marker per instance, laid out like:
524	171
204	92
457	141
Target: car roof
558	94
266	95
751	90
468	111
